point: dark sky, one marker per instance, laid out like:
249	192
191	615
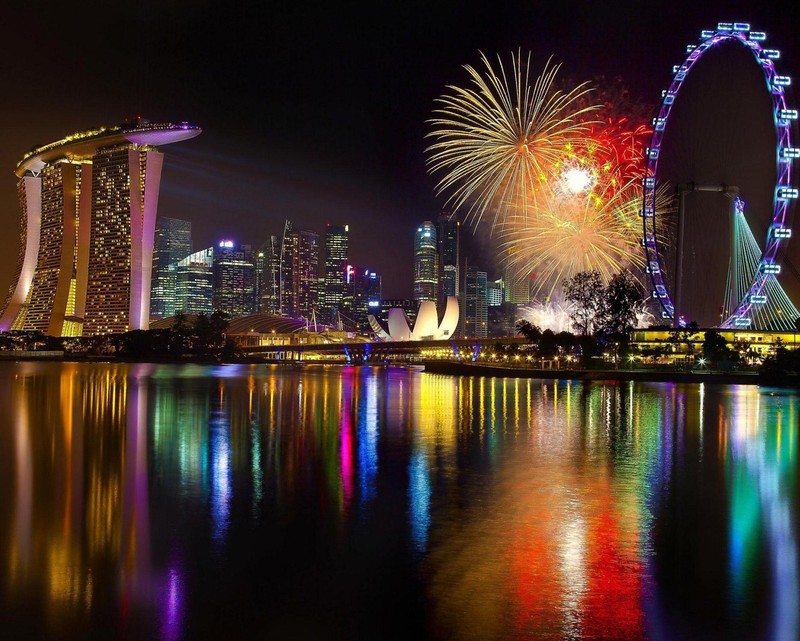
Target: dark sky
310	112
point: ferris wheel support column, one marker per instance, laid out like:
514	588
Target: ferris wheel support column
682	189
676	316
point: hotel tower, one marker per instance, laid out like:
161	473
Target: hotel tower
88	211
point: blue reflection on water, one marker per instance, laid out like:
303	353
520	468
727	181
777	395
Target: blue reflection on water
419	494
220	473
255	468
368	440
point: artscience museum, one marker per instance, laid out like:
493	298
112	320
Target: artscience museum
426	326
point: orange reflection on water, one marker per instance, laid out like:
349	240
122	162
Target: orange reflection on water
558	555
81	502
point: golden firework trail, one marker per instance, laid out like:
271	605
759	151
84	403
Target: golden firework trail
579	232
498	140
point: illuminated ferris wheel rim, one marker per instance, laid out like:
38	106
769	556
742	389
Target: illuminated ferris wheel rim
784	190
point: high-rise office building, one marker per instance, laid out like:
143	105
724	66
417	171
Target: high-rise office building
87	228
194	283
475	309
495	293
299	273
518	286
426	263
173	242
234	279
365	299
268	273
503	319
448	241
335	272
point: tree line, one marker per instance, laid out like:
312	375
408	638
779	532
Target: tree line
604	316
203	337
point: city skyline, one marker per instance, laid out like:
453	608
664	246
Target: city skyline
460	320
344	142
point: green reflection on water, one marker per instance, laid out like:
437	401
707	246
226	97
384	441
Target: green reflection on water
762	467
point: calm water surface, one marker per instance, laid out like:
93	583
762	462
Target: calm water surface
249	502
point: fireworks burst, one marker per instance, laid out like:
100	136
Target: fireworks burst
592	220
559	177
576	233
499	139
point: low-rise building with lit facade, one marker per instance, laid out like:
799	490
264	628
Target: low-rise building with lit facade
669	346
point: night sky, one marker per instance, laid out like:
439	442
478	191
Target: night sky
317	113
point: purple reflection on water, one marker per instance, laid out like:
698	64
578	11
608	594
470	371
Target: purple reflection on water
173	607
136	511
346	444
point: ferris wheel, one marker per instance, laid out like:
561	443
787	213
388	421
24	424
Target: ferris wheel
749	310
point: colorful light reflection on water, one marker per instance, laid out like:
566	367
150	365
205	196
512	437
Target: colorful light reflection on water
181	502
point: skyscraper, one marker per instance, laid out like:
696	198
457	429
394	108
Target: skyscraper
518	286
363	297
426	263
475	310
334	275
299	273
268	271
495	293
87	228
173	242
194	283
234	279
448	230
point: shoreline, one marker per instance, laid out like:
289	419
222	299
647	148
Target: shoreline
454	369
622	375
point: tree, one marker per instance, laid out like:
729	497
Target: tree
530	331
565	342
585	293
209	332
715	347
548	347
622	301
181	323
781	363
743	351
684	336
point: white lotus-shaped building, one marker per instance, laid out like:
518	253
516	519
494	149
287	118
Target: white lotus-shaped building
426	327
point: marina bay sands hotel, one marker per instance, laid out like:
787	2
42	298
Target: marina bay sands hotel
88	213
